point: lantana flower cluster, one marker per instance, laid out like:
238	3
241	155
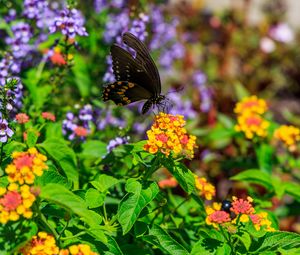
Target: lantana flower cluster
80	249
168	135
289	136
250	117
241	210
206	189
15	201
44	244
17	198
26	166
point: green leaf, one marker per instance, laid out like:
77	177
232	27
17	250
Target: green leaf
245	238
54	130
38	94
113	247
182	174
12	146
240	91
278	185
134	202
94	198
160	238
272	241
82	77
63	156
32	137
61	196
255	176
104	182
265	159
210	246
93	150
293	189
52	176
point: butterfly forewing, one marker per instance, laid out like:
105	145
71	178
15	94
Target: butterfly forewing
137	77
126	68
144	58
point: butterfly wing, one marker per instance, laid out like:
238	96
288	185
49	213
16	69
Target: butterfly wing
124	92
144	58
126	68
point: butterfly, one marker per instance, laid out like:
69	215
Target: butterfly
137	78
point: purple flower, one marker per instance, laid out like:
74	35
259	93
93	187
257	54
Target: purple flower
11	16
19	43
33	9
70	23
200	79
116	142
14	97
169	55
106	118
181	107
116	25
5	131
86	113
282	32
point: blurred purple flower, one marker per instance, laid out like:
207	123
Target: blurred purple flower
200	79
267	45
70	22
116	142
14	97
105	118
69	125
109	75
19	43
34	9
181	107
11	15
116	25
282	32
5	131
86	113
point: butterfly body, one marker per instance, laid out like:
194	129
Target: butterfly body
137	78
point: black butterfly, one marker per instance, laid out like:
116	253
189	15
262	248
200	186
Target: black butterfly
137	77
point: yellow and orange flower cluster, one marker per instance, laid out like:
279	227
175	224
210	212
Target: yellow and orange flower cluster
80	249
168	135
251	104
243	212
44	244
41	244
249	117
289	135
15	201
206	189
26	166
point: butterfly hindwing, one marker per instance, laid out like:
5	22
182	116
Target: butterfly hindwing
124	92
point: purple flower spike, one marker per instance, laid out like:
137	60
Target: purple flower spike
70	23
5	131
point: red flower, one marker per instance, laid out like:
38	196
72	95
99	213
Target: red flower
241	206
219	217
48	116
26	160
22	118
168	183
81	131
11	200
